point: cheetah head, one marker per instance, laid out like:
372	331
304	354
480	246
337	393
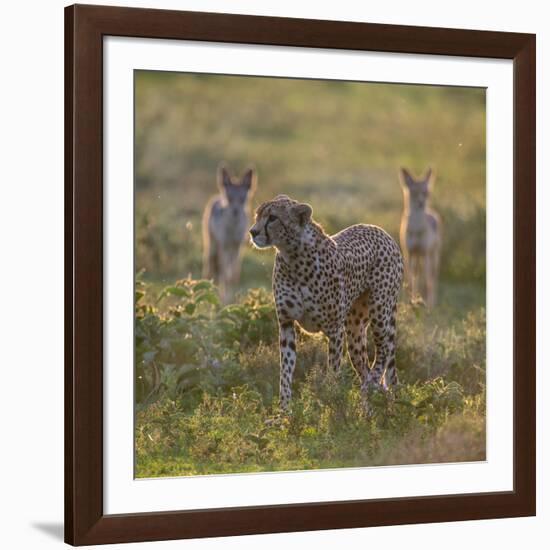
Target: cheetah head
280	222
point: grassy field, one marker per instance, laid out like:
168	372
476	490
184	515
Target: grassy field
207	375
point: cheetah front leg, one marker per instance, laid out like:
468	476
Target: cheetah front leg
336	348
287	344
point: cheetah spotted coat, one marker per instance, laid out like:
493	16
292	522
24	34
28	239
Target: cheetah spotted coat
339	285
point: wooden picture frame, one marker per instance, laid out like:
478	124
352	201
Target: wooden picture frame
85	27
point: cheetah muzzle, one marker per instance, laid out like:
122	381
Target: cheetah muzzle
339	285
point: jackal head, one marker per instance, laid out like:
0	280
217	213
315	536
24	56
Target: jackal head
416	191
236	192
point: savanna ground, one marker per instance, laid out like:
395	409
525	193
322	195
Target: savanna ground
207	375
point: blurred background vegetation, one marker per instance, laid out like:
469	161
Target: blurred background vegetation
207	376
336	145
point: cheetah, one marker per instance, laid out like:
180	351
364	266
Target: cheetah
225	221
338	285
420	236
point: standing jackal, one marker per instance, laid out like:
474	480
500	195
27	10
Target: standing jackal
225	223
421	236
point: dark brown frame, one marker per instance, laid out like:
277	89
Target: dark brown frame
85	27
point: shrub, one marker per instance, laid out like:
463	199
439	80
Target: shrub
208	377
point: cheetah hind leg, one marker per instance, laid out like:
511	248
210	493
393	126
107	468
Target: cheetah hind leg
356	337
357	323
383	330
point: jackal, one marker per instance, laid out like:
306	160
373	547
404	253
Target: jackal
225	222
421	236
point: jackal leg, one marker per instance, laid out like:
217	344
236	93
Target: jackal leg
435	272
414	274
429	279
210	264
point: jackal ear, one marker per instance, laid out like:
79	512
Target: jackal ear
249	181
224	179
429	178
406	179
301	213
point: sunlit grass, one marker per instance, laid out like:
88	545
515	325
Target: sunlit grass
335	145
207	381
208	387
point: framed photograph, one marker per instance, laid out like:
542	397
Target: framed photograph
300	274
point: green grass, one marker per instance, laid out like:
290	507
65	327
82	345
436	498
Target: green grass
335	145
207	376
208	379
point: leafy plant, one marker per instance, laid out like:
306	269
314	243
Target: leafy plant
207	388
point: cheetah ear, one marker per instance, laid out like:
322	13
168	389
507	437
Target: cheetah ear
224	179
406	179
249	180
302	213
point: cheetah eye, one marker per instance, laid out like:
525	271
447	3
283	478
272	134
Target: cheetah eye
271	218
